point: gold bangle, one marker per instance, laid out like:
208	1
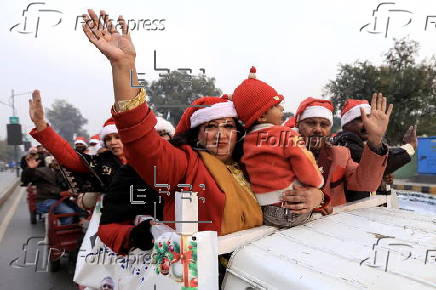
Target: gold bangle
126	105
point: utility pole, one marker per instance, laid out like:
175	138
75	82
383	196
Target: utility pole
17	168
15	120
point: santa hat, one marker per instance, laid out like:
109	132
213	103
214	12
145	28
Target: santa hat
227	97
94	139
107	281
315	108
80	140
351	110
290	122
203	110
253	98
108	128
164	125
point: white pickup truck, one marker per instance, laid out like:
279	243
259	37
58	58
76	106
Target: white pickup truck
360	246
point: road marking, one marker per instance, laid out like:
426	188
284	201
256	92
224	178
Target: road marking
10	214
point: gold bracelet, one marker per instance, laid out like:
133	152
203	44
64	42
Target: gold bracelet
126	105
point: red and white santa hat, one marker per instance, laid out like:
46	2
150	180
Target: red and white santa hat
107	281
108	128
80	140
203	110
164	125
94	139
315	108
253	98
351	110
290	122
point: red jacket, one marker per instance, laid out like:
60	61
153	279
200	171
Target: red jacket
344	173
175	166
275	158
114	235
60	148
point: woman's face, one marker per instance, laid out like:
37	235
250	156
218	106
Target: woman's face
114	144
219	137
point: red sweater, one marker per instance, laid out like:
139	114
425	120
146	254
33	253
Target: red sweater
275	159
60	148
174	166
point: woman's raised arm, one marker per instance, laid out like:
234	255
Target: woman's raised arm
117	47
143	147
53	142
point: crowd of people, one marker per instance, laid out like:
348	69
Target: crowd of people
235	150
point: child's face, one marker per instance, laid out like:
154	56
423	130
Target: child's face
274	115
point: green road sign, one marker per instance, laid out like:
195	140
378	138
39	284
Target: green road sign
14	120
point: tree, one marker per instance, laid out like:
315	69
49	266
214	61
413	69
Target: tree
409	86
66	120
171	94
336	124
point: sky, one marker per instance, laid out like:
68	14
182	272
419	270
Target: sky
296	46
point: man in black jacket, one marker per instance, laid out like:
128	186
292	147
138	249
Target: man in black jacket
354	136
49	184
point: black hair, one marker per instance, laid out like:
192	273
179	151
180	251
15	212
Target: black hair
190	137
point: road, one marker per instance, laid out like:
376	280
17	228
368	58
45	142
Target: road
16	226
5	178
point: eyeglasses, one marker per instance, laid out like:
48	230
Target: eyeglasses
213	127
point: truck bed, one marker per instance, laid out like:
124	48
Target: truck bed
370	248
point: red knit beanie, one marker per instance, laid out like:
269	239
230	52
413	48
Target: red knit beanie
253	98
203	110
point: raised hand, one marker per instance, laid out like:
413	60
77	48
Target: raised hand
32	162
118	48
377	122
410	136
36	111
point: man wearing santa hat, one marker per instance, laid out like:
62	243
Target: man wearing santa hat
314	120
94	145
354	136
80	144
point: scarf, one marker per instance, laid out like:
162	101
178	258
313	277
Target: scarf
241	210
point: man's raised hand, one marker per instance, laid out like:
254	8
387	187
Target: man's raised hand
410	137
377	122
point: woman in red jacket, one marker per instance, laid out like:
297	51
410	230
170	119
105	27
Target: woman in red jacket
205	162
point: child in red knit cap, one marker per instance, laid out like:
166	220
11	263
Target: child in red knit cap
275	157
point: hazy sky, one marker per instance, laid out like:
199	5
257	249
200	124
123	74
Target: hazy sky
296	46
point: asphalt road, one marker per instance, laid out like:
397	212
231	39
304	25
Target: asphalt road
15	230
5	178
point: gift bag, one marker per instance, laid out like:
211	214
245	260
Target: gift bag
175	262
